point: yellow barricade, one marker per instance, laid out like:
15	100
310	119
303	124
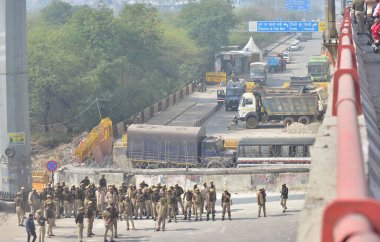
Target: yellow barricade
216	77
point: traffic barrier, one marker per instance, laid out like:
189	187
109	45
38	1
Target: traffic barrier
351	216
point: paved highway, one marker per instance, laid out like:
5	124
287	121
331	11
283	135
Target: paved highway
245	226
217	124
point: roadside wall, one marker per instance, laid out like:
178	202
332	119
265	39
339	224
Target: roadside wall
234	179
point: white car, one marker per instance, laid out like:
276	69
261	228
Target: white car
286	56
295	45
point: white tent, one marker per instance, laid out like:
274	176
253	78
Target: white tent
251	47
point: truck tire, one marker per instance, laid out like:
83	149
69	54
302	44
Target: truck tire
288	121
251	123
304	120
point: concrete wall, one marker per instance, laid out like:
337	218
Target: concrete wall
236	180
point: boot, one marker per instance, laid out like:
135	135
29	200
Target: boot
229	216
222	218
189	218
208	216
213	217
185	218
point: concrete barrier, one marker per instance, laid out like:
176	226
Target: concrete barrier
235	179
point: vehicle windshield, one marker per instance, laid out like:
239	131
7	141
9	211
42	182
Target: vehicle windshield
318	69
233	92
285	55
257	72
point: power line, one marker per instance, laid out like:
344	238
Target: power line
71	119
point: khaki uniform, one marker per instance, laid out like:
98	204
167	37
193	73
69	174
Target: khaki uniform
284	197
261	203
20	210
162	213
155	201
128	210
111	199
32	201
90	219
148	203
49	211
139	204
226	204
41	227
100	200
188	197
57	205
67	201
78	202
108	223
210	204
197	201
172	201
204	194
178	192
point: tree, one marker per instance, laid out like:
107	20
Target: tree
209	22
57	13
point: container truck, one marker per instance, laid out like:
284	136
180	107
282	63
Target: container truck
158	146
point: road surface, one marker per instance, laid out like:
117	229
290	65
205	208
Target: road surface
245	225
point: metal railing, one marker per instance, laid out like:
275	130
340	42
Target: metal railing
352	215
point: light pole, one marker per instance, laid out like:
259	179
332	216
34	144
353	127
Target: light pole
330	35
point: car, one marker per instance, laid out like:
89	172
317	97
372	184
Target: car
286	56
295	45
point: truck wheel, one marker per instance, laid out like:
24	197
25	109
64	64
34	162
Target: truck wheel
304	120
288	121
251	123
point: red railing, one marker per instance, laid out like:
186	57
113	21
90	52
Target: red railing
352	216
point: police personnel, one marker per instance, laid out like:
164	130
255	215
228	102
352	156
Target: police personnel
187	198
284	197
210	203
20	208
79	221
162	213
226	203
260	196
40	219
50	214
90	214
172	201
128	210
197	201
108	223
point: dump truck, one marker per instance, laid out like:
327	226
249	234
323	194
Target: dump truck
278	105
319	69
234	90
159	146
258	73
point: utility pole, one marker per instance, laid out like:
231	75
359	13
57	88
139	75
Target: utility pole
15	164
330	35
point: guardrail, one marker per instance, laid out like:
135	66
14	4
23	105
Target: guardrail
202	120
352	216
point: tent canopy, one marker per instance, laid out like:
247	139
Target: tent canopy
251	47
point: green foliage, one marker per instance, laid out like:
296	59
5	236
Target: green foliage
209	22
57	13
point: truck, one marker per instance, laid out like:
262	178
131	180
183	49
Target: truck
258	73
319	69
304	36
159	146
276	105
234	90
274	63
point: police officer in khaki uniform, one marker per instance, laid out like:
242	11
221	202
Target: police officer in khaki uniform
155	201
188	201
79	221
226	203
50	214
162	213
172	201
197	201
108	223
20	208
260	196
128	210
90	214
40	219
210	203
139	203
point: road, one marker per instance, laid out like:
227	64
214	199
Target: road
217	124
245	225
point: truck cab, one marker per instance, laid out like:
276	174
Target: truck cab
319	69
258	73
234	90
248	107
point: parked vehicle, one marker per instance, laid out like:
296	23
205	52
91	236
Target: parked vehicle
155	146
278	104
274	64
279	150
286	56
258	73
234	90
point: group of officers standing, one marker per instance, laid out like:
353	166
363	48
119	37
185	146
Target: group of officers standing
157	202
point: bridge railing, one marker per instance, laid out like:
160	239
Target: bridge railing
352	216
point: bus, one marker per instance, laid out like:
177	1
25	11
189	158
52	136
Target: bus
276	150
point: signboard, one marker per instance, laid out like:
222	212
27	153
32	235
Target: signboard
51	166
216	77
16	138
321	26
298	5
283	26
